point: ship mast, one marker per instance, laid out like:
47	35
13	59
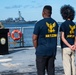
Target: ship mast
20	17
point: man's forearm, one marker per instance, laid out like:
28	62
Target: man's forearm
66	42
35	43
34	38
75	41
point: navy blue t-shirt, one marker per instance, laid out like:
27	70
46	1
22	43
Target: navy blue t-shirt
46	30
75	31
68	27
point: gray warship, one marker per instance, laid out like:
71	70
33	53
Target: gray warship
19	20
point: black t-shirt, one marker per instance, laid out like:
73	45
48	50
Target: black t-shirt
46	30
68	27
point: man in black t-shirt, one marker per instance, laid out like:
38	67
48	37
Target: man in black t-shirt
45	42
67	30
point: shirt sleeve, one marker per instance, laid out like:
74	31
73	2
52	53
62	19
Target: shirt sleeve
36	29
62	28
75	32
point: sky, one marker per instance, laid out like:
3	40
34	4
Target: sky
32	9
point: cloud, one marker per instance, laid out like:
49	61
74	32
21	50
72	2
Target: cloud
26	6
33	6
15	6
7	7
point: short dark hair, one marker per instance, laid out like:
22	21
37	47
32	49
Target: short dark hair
49	8
67	11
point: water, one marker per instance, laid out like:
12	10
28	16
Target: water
18	25
26	29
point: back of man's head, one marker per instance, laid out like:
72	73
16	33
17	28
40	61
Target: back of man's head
67	12
47	10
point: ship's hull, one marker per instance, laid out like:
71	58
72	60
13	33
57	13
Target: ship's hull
28	22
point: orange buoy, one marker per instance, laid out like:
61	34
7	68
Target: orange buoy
19	35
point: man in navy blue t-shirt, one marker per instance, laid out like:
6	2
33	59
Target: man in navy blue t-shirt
67	30
75	37
45	42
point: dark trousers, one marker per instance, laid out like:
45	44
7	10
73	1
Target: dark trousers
45	63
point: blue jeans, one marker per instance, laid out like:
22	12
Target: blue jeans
45	63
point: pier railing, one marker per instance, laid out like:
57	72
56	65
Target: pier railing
25	40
